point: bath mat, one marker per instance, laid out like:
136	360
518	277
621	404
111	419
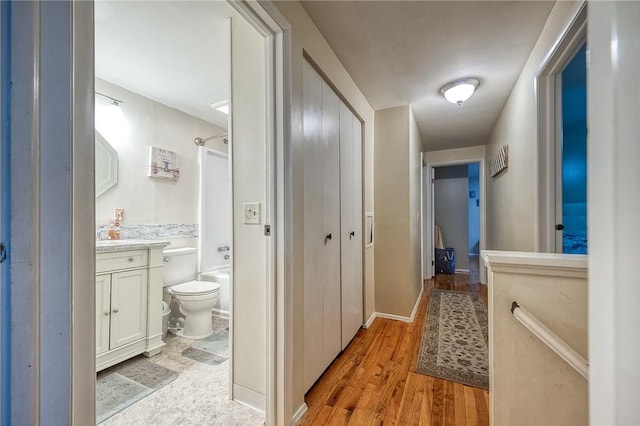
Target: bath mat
455	339
124	384
212	350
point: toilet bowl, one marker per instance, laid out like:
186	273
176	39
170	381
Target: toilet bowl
193	299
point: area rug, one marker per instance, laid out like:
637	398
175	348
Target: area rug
455	339
124	384
212	350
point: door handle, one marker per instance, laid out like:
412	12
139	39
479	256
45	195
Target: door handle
352	234
328	237
559	227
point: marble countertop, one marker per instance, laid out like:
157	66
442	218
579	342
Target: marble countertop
108	246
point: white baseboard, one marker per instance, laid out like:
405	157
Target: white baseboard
249	397
370	320
297	416
462	271
398	317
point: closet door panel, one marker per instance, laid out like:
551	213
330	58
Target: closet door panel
351	210
314	360
331	217
358	218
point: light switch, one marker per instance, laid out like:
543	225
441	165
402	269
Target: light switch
251	213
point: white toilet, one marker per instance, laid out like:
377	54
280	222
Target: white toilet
195	299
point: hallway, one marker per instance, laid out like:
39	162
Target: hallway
373	380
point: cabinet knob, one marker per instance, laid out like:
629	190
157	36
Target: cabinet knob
328	237
131	259
352	234
106	314
115	311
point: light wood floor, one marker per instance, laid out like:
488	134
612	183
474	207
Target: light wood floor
373	381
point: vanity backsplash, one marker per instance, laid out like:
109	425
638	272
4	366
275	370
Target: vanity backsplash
146	231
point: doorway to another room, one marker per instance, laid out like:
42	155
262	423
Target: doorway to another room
184	266
456	200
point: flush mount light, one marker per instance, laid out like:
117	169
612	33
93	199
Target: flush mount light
222	106
459	91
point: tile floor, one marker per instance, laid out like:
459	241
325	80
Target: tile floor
199	396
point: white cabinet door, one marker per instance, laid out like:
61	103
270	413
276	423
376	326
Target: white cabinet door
351	218
103	312
128	307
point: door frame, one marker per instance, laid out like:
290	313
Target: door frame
547	83
46	367
270	23
429	234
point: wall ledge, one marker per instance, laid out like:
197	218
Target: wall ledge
529	263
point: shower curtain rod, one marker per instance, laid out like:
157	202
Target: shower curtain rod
201	141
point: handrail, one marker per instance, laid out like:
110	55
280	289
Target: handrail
552	340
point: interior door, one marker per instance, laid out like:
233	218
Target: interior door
351	223
331	222
571	156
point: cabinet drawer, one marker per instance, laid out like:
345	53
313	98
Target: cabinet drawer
121	260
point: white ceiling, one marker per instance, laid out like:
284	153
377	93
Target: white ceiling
176	53
398	53
403	52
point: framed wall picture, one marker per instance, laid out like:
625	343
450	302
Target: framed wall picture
163	164
368	229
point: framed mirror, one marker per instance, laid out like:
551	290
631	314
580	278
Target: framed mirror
106	166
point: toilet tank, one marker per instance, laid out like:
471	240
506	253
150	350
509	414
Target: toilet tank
180	265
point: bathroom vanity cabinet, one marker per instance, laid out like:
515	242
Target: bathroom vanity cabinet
129	282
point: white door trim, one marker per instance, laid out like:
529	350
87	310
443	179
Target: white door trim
271	24
546	84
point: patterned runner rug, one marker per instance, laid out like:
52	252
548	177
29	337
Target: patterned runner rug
455	339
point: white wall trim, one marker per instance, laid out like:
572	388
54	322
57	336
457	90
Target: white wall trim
370	320
249	397
547	264
297	416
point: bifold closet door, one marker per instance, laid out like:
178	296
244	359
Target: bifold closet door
322	318
351	221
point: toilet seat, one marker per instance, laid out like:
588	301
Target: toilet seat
195	288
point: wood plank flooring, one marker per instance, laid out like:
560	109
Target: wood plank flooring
373	381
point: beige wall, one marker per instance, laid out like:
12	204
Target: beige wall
530	384
397	226
306	37
515	227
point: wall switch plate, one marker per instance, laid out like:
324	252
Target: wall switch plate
251	213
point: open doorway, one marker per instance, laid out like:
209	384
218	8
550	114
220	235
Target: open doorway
183	262
457	219
458	203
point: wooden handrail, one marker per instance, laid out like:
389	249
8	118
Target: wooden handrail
552	340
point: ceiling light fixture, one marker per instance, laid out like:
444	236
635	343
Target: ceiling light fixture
223	107
459	91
